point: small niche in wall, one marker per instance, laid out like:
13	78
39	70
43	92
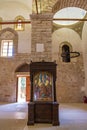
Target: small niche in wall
39	47
65	53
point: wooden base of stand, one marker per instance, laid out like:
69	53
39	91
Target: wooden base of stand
43	112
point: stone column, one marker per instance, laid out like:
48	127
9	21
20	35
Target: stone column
41	37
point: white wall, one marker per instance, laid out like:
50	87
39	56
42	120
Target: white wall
65	34
9	11
84	43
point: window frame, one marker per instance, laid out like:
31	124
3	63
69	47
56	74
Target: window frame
19	26
6	50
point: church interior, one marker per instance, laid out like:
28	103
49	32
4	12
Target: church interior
43	31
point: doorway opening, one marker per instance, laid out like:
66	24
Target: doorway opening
23	91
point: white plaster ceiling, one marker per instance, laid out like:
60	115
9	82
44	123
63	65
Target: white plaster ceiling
9	9
26	3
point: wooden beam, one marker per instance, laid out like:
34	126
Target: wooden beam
36	6
15	22
69	19
55	19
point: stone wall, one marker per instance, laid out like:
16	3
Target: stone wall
70	81
41	34
8	77
70	76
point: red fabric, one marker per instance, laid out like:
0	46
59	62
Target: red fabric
85	99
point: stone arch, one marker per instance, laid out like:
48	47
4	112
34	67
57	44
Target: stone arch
9	30
70	3
23	68
54	5
65	43
10	34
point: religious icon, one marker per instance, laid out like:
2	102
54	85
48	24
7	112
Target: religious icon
43	86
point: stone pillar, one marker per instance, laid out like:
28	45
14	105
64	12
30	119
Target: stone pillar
41	37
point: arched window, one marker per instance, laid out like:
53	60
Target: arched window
20	26
6	48
8	42
65	53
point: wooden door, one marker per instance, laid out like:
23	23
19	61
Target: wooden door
27	88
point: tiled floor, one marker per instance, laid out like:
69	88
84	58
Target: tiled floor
13	116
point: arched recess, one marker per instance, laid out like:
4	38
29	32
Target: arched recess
19	26
64	35
65	48
23	83
10	34
66	52
65	43
23	68
72	3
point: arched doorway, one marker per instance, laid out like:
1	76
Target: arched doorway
23	83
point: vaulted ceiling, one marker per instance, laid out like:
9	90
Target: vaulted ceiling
55	5
37	6
46	5
14	4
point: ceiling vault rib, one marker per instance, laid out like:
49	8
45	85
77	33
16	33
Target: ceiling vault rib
36	6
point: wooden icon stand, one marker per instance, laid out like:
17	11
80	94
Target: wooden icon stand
43	107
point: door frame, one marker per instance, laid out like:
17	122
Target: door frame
17	76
